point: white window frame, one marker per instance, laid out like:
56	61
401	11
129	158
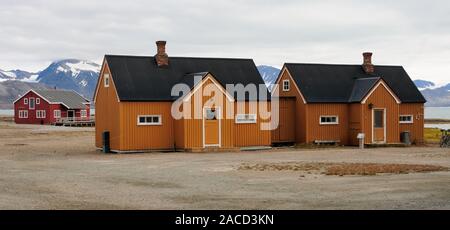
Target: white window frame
41	114
286	87
38	101
106	80
56	113
149	123
25	101
23	114
329	123
34	103
83	113
406	122
245	119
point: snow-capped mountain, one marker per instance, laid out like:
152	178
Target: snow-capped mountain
269	74
422	84
19	75
78	75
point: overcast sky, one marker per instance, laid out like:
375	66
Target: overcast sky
415	34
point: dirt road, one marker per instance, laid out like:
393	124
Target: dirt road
44	167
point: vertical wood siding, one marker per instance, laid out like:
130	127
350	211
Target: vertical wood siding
301	129
285	132
416	129
251	134
382	99
193	128
355	123
146	137
338	132
179	131
107	111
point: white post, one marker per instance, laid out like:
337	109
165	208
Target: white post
361	140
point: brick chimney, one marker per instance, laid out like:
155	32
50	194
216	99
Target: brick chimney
367	64
161	57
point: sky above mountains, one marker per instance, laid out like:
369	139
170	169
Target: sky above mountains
415	34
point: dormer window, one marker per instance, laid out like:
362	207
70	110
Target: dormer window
286	85
106	80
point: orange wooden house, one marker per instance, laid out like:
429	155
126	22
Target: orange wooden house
321	103
135	103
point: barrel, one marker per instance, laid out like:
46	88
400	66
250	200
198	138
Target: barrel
405	137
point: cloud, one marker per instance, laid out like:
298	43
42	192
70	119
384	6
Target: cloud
410	33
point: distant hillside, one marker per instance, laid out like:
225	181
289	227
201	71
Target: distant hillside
11	90
438	97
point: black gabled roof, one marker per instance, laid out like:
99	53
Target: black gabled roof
138	78
362	87
328	83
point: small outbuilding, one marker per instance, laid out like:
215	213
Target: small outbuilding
47	106
328	103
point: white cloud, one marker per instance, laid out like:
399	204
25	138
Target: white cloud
414	34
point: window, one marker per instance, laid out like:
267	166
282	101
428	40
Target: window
211	114
106	79
38	101
378	118
406	119
286	85
329	120
57	113
83	113
245	118
31	104
149	120
40	113
23	113
25	101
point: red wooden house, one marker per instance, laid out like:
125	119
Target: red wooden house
47	106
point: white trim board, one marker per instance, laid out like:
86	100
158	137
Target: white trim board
277	83
186	97
100	78
381	82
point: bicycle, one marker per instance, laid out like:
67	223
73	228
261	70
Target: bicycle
445	138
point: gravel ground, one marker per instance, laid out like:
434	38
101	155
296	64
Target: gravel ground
44	167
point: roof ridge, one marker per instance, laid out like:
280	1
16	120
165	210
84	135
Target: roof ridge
175	57
336	64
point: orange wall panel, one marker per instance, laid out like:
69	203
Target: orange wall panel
145	137
382	99
107	114
193	127
317	131
251	134
355	123
416	129
301	129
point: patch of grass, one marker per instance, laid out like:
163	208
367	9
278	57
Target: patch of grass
342	169
432	135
